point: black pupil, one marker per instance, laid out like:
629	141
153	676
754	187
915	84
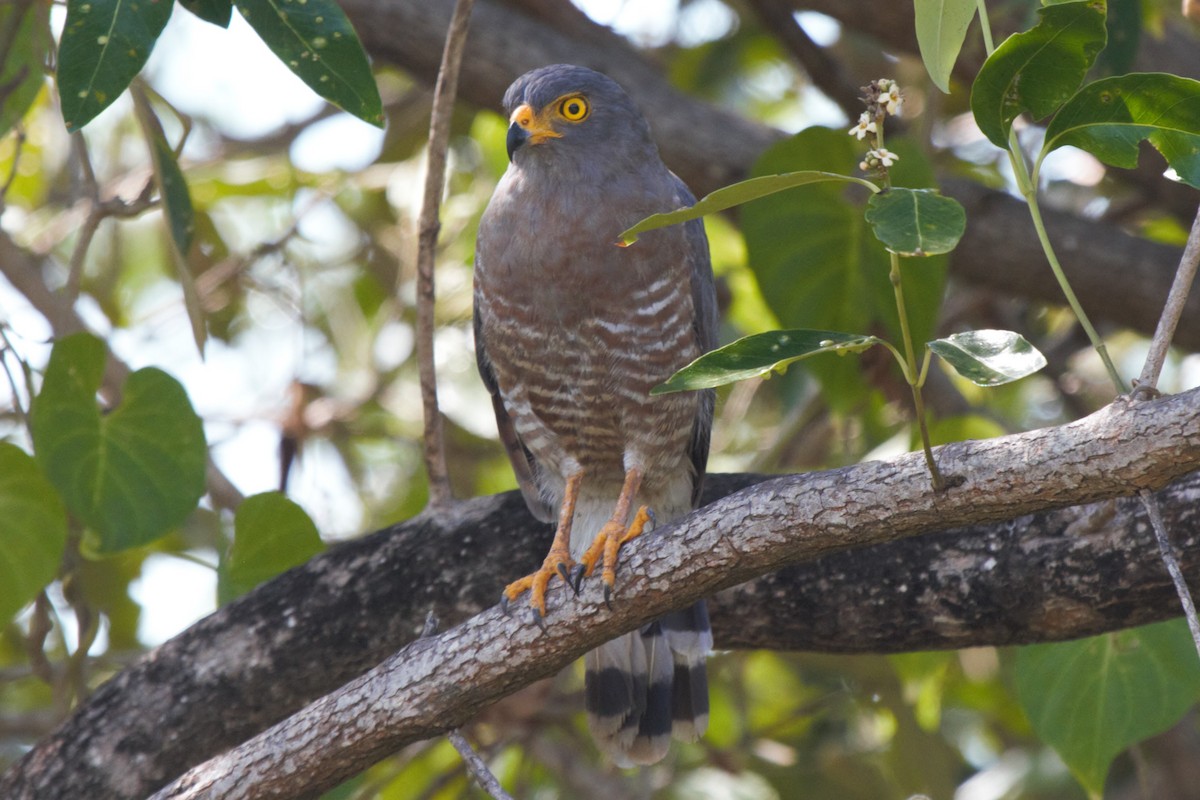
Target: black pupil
573	108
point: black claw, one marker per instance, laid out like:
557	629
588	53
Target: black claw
576	579
653	518
564	573
504	605
608	596
540	620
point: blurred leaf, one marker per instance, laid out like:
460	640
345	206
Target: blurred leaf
941	28
218	12
916	222
734	195
1110	117
989	358
271	535
1124	27
759	354
819	268
177	210
33	530
1039	69
25	29
131	474
316	41
105	43
1090	699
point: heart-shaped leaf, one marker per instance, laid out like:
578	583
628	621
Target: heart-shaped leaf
1110	117
1039	69
105	43
989	358
1092	698
131	474
33	530
314	39
941	28
916	222
736	194
759	354
271	534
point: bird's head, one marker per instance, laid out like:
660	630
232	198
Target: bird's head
569	110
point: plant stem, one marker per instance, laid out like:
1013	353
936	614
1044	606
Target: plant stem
910	373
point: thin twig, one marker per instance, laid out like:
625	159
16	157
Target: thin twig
427	232
1147	387
477	767
1173	309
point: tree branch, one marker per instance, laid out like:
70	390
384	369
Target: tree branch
438	683
1057	574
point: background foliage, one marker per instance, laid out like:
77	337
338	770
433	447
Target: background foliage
257	302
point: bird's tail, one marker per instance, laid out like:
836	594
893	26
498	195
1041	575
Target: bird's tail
648	686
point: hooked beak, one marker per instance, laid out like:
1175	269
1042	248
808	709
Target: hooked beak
525	126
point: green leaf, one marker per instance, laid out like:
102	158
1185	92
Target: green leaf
1109	117
1092	698
177	209
218	12
33	530
989	358
1039	69
26	29
736	194
105	43
316	41
818	266
271	535
759	354
131	474
916	222
941	29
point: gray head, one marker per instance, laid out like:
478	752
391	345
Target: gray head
566	114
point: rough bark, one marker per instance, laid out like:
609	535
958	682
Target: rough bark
1055	574
438	683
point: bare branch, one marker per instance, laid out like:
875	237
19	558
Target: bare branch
477	767
428	227
438	683
1164	333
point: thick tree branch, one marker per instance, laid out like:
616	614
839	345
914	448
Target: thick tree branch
1054	575
438	683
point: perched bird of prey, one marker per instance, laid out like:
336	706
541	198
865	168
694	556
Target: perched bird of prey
571	333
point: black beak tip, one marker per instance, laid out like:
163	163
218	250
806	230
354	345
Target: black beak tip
516	137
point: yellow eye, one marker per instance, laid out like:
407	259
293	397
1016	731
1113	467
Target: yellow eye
574	109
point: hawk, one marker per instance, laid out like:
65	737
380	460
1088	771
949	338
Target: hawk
571	334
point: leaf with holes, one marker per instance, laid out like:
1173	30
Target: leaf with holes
105	43
33	530
1090	699
1039	69
1110	117
218	12
760	354
131	474
736	194
941	29
989	358
314	39
916	222
271	535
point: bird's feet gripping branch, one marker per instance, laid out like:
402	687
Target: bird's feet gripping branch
602	551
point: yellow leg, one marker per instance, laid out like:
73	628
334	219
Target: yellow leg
605	548
558	560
